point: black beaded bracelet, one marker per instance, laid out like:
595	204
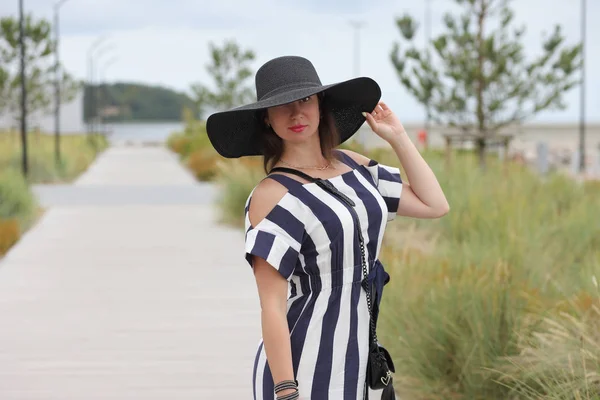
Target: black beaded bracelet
288	384
291	396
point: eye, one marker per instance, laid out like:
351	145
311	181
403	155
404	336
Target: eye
304	100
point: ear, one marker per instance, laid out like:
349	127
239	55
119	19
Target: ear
265	117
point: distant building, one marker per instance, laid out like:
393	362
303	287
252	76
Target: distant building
71	118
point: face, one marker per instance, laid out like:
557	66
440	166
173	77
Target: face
295	121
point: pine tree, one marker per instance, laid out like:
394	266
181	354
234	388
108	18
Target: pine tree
477	77
229	69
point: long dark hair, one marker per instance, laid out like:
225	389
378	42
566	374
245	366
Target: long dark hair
272	145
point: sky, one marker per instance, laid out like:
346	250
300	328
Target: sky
162	42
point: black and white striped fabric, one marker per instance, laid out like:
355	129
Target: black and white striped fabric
310	237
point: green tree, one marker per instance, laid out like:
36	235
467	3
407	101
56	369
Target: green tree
4	74
137	102
229	69
477	78
39	72
4	79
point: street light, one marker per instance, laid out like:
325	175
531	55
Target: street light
57	72
101	80
94	96
23	91
102	73
582	92
89	104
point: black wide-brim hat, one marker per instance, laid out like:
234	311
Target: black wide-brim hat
236	133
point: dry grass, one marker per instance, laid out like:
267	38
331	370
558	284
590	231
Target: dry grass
471	291
77	153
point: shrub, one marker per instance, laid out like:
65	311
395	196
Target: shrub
16	199
203	164
193	138
180	144
17	208
9	234
195	150
236	179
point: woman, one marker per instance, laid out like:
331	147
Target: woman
301	240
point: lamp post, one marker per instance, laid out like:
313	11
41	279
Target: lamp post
57	72
101	80
94	98
582	92
23	91
102	73
89	104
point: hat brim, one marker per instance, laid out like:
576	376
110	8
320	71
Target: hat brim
235	133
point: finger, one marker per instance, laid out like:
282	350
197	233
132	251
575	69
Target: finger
378	112
370	120
384	106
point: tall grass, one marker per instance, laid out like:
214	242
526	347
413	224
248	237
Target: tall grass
559	361
77	153
515	251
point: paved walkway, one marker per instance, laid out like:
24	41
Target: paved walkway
128	289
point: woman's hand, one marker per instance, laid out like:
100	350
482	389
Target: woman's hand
384	122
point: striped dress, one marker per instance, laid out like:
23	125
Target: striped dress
311	238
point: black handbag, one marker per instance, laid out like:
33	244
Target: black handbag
379	364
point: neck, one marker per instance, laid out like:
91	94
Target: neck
305	154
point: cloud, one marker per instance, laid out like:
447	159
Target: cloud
81	17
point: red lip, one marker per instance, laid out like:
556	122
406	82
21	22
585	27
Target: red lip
298	128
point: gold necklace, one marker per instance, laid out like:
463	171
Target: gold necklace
318	168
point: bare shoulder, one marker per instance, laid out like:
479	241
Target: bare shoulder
264	198
359	158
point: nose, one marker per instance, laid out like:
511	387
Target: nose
295	108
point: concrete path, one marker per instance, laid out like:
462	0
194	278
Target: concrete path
128	288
